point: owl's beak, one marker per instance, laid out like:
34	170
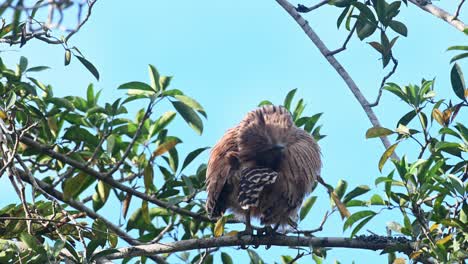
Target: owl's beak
278	147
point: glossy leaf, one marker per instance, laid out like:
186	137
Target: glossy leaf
289	98
190	116
88	66
191	156
458	82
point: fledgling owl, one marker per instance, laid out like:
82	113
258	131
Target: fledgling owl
263	167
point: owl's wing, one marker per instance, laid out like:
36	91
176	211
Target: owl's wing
223	163
300	167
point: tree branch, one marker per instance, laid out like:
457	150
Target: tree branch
442	14
109	180
336	65
384	80
304	9
90	213
363	242
457	13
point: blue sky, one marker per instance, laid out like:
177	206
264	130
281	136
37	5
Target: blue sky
230	55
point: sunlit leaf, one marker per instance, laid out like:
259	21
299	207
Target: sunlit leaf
219	227
378	132
387	154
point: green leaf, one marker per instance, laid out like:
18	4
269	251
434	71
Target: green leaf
154	76
341	188
148	178
387	155
365	11
62	102
458	48
74	186
311	121
449	147
457	184
190	116
31	242
362	189
37	69
374	132
191	103
356	217
101	195
459	57
407	118
264	102
191	156
361	225
377	200
23	64
458	82
287	260
58	246
67	57
254	257
226	259
299	109
307	206
289	98
398	27
380	10
365	29
341	17
88	66
136	86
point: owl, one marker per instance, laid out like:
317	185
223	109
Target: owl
262	168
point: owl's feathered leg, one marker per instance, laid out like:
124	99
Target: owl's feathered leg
248	229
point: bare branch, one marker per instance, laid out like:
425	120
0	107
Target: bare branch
384	80
331	53
304	9
362	242
457	13
442	14
336	65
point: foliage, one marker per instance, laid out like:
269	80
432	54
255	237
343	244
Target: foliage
79	154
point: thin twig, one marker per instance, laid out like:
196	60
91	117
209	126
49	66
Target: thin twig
332	53
132	142
457	13
336	65
304	9
384	80
318	229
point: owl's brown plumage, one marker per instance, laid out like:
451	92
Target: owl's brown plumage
262	167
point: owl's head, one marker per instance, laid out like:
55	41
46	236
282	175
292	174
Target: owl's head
263	135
